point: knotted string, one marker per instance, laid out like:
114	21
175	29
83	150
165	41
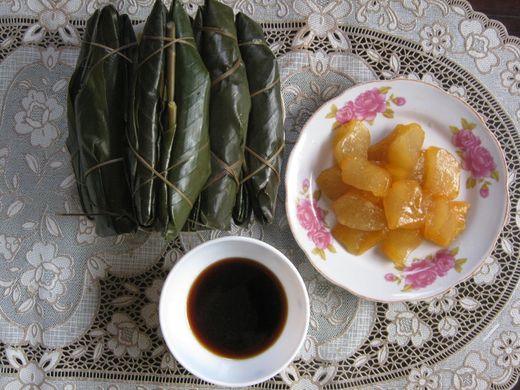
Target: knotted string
227	73
181	161
170	42
143	161
266	163
111	51
227	169
236	64
93	204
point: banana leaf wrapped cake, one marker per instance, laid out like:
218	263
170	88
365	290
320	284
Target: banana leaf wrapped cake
265	135
182	129
98	115
73	89
188	166
169	143
145	126
230	104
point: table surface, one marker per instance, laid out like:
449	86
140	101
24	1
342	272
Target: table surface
92	323
507	12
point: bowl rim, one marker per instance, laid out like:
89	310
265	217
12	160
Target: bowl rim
281	257
492	245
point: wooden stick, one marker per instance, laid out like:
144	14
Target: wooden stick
170	77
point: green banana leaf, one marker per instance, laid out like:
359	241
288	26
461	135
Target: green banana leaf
100	111
129	42
73	89
167	134
197	26
265	135
145	124
229	112
243	209
188	165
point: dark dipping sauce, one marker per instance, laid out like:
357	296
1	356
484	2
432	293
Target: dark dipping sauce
237	308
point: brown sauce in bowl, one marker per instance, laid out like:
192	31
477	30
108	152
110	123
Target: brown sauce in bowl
237	308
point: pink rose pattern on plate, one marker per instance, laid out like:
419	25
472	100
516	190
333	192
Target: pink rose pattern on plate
476	159
312	219
423	272
367	106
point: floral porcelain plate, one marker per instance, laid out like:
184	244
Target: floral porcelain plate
449	123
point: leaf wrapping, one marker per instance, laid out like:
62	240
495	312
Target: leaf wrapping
265	135
74	86
229	112
147	104
144	150
100	114
188	164
243	209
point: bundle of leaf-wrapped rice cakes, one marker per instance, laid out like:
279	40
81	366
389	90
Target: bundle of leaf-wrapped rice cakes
179	129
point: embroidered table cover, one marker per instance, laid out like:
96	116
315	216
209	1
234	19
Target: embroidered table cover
78	311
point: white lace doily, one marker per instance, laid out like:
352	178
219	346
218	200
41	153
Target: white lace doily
80	312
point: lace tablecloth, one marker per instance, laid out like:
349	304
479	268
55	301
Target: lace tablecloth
80	312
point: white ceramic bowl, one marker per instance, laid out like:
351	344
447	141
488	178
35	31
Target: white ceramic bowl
428	272
187	349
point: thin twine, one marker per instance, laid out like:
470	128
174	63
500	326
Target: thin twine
228	169
269	86
227	73
219	31
103	213
199	224
93	204
79	214
111	51
160	176
171	41
181	161
254	42
266	163
100	165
